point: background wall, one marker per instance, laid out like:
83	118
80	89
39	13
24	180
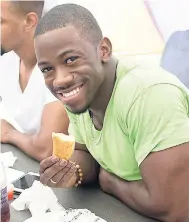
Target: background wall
127	23
138	29
169	15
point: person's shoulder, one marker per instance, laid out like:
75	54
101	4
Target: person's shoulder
8	61
8	66
139	79
9	56
142	77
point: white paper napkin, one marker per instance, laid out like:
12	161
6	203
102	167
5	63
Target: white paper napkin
38	199
44	207
8	159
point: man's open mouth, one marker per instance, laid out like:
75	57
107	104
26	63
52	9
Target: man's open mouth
71	93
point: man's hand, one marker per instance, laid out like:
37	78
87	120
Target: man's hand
58	173
6	130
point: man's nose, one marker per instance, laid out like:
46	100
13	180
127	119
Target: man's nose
63	78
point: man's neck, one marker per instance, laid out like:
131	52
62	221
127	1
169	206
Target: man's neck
26	53
99	106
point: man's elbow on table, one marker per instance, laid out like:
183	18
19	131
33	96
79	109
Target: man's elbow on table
173	213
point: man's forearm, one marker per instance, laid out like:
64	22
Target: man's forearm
139	198
30	145
135	195
88	165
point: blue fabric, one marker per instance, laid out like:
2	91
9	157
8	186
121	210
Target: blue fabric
175	58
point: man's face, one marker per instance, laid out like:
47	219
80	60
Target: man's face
11	27
72	67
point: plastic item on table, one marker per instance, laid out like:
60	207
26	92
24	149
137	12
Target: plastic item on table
4	204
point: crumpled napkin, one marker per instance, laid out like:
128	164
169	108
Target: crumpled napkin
8	159
44	207
38	199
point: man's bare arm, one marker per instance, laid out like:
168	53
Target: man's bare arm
163	193
39	146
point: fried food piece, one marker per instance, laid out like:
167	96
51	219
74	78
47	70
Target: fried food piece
63	145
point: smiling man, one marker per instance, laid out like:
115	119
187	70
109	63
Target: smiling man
131	124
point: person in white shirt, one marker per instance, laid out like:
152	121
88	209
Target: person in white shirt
29	112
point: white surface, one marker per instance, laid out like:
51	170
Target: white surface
12	175
49	4
8	159
23	110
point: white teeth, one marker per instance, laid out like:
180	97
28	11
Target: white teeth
74	92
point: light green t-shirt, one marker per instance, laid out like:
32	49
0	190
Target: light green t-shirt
147	112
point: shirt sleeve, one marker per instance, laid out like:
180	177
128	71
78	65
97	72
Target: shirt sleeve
158	120
74	128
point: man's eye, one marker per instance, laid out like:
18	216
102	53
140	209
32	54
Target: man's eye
71	59
48	69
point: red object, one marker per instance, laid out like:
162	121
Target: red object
10	195
10	192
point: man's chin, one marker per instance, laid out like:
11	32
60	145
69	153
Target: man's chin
77	111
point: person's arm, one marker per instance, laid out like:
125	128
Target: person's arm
86	162
158	126
39	146
163	193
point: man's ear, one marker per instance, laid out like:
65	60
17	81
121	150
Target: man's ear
105	49
31	21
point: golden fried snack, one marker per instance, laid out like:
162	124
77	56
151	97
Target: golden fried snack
63	145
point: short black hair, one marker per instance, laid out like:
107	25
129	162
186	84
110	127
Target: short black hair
71	15
26	7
